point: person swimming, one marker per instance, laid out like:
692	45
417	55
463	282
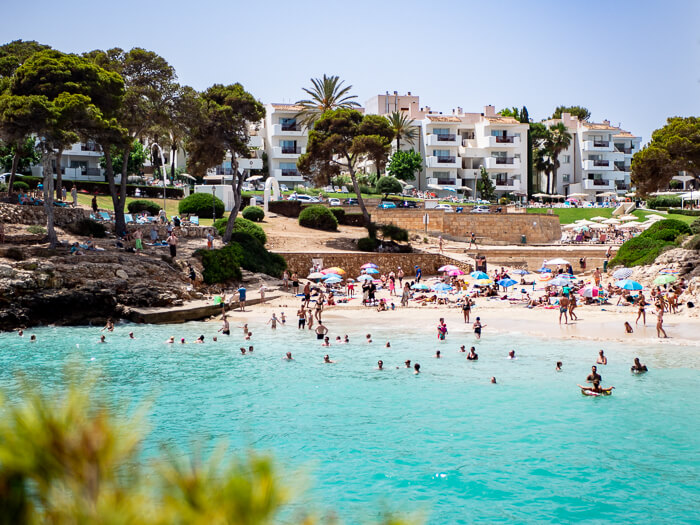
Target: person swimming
327	359
596	388
594	375
250	349
326	341
387	345
472	355
416	369
102	339
407	363
380	365
288	357
171	340
638	367
346	339
368	337
242	349
511	354
248	336
559	365
493	380
182	341
437	354
462	349
32	338
200	339
131	335
602	360
20	332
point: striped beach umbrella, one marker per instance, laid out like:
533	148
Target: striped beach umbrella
368	265
622	273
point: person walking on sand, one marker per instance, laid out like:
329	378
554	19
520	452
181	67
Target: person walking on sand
285	280
440	243
466	308
597	277
307	294
641	312
477	327
138	239
572	307
400	274
563	308
295	283
660	322
406	294
241	298
74	195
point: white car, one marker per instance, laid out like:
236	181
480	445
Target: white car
334	202
283	187
303	198
481	209
446	207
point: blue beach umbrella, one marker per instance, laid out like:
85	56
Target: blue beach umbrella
506	283
441	287
364	278
519	272
479	275
544	269
420	286
332	280
628	284
332	276
371	270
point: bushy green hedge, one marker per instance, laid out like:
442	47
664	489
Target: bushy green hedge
244	226
694	243
221	265
19	185
695	226
200	204
393	232
141	205
662	201
339	214
253	213
645	248
318	217
87	227
256	258
367	244
682	211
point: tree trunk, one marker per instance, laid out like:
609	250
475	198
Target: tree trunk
237	185
59	175
173	152
119	222
13	170
398	143
109	174
48	195
548	181
365	214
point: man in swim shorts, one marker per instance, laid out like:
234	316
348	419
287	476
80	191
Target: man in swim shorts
564	308
594	375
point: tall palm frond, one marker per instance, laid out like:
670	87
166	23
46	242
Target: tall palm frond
403	128
326	94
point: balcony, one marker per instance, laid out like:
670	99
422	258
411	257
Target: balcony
443	162
626	151
456	183
597	145
503	142
598	184
620	166
597	165
288	130
443	140
287	175
508	185
502	163
287	152
468	173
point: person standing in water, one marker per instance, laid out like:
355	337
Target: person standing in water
477	327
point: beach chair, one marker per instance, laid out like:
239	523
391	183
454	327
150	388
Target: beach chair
344	189
194	220
105	216
128	218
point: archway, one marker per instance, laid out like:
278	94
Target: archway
272	189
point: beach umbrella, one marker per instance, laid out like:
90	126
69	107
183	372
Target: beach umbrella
628	218
447	268
332	276
334	269
622	273
578	195
555	262
598	218
611	221
368	265
484	282
364	278
420	286
584	222
455	273
669	271
544	269
665	279
332	280
540	195
559	281
519	272
589	291
371	270
441	287
315	276
479	275
629	225
599	226
507	283
628	284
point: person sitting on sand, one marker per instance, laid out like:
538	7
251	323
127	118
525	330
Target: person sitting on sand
602	360
638	367
594	375
596	388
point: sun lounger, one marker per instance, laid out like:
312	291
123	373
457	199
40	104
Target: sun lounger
105	216
128	218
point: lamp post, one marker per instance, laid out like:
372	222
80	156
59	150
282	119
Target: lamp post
162	164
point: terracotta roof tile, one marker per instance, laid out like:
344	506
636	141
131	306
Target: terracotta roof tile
625	135
593	125
503	120
443	118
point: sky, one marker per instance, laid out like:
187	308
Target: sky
634	63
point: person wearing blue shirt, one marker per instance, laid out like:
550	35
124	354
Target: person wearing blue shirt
241	298
419	273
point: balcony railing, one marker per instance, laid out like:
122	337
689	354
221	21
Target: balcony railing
505	140
224	171
601	143
628	151
601	182
507	182
599	162
446	137
444	159
291	149
620	167
622	186
505	160
290	173
447	182
90	147
290	127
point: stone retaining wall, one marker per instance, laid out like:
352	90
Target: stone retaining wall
497	229
189	232
301	262
24	214
532	257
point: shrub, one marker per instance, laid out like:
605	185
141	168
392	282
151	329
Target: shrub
367	244
393	232
36	229
367	190
667	224
253	213
3	187
87	227
662	201
638	251
200	204
255	258
242	225
142	205
339	214
19	185
318	217
695	226
694	243
683	211
221	265
388	185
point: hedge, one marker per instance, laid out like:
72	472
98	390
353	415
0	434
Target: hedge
318	217
141	205
367	244
695	226
253	213
20	185
102	188
200	204
663	201
339	214
242	225
221	265
255	258
681	211
645	248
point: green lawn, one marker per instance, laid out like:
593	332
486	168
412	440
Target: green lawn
569	215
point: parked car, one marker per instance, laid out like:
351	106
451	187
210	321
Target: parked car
481	209
409	204
351	202
334	202
386	205
446	207
283	187
303	198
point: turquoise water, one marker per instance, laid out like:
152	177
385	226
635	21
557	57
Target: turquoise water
446	444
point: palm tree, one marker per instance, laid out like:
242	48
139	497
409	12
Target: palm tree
403	128
326	94
543	163
558	140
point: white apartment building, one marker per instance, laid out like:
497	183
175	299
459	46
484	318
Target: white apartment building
285	141
598	159
81	161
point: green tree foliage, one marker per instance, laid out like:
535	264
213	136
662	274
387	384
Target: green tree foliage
403	127
673	148
577	111
200	204
142	205
367	244
221	125
485	186
253	213
221	265
14	54
558	139
387	185
404	165
393	232
255	257
325	94
664	201
242	225
339	141
18	157
137	159
319	218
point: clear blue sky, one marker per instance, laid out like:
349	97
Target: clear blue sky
632	62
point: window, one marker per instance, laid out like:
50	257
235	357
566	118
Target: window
566	159
441	153
500	154
289	146
501	179
498	133
565	178
441	131
288	166
288	123
468	135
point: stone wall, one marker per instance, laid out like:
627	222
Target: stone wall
531	257
351	262
23	214
189	232
498	229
